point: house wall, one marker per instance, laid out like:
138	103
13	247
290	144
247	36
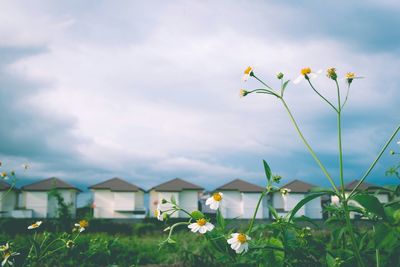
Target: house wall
8	202
188	200
153	202
249	205
288	202
103	204
277	201
69	197
231	204
139	200
314	208
36	201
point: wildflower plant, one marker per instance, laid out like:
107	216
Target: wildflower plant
368	205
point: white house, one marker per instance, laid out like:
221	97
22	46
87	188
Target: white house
186	195
8	199
297	190
383	197
117	198
36	197
240	200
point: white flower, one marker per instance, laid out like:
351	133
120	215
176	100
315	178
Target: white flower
238	242
201	225
7	254
25	166
306	73
398	142
214	200
4	247
284	191
158	213
247	73
35	225
82	225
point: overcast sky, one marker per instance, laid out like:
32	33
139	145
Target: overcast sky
149	90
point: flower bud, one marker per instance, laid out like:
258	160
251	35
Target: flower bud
331	73
279	75
392	152
243	92
164	201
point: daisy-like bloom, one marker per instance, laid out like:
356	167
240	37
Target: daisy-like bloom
331	73
350	77
238	242
247	73
306	74
82	225
69	244
214	200
201	226
4	247
284	191
7	255
3	175
243	92
35	225
158	213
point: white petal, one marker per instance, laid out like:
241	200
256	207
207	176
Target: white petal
246	246
222	194
312	75
298	79
209	226
319	71
245	77
236	246
235	235
209	200
202	229
190	226
214	205
231	240
240	248
248	237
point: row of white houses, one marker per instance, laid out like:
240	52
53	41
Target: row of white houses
117	198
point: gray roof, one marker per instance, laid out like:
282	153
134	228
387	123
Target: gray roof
117	184
5	186
364	186
241	186
48	184
176	185
297	186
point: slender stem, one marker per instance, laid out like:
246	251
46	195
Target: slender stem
351	234
347	95
256	210
324	170
339	126
262	82
375	161
376	250
318	93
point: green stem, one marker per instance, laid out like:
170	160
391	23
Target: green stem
318	93
376	251
347	95
352	236
339	125
256	210
315	157
262	82
375	161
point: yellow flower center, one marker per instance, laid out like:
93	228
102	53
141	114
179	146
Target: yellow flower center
201	221
217	197
242	238
3	174
35	225
248	70
83	223
305	71
350	75
156	213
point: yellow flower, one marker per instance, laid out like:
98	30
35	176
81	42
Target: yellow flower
243	92
3	175
306	73
248	72
35	225
331	73
350	75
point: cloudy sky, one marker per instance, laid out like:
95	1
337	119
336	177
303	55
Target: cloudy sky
148	91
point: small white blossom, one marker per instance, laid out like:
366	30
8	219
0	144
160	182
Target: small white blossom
214	200
306	73
35	225
201	226
238	242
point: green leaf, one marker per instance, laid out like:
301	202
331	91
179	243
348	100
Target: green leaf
273	212
305	219
267	170
220	220
197	215
371	204
305	201
173	200
330	261
385	236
